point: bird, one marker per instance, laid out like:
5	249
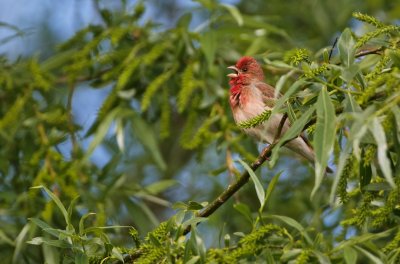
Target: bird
250	96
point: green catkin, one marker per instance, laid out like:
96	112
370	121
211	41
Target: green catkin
255	121
369	155
373	80
304	257
296	56
368	19
187	87
153	87
383	30
313	72
349	171
394	244
154	54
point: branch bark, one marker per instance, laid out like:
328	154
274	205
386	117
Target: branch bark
243	179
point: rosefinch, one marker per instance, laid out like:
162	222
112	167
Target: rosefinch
250	96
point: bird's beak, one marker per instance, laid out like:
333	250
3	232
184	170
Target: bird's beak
235	74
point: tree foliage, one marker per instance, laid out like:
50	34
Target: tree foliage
166	118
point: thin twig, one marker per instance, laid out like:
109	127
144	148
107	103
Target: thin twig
243	179
333	47
369	52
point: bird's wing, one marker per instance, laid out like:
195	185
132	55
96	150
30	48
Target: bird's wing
268	94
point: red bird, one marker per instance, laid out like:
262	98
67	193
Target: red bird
250	96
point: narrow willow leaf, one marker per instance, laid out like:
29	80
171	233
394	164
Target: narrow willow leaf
4	239
244	210
44	226
81	258
50	242
281	82
82	223
293	223
350	255
271	186
209	44
193	260
101	132
324	136
120	134
160	186
396	112
322	258
147	137
282	100
294	130
367	237
374	259
57	201
379	134
257	184
346	46
235	13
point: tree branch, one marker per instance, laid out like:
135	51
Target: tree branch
243	179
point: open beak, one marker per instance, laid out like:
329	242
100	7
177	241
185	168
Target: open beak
235	74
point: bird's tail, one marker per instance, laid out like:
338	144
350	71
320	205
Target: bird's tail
301	146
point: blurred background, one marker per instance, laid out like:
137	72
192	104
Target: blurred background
137	186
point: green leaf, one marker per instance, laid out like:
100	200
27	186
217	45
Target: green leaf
81	258
147	137
194	221
350	255
324	136
396	112
244	210
101	132
57	201
50	242
282	80
116	253
322	258
208	42
379	134
44	226
193	260
293	223
235	13
4	238
372	257
82	222
271	186
194	206
294	130
259	188
363	238
346	46
160	186
282	100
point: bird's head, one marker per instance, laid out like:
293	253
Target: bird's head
246	70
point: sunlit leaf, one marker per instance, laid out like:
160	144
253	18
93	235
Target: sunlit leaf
244	210
293	223
234	11
350	255
379	134
324	136
346	45
295	129
257	184
147	137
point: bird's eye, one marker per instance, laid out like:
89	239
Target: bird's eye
244	69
